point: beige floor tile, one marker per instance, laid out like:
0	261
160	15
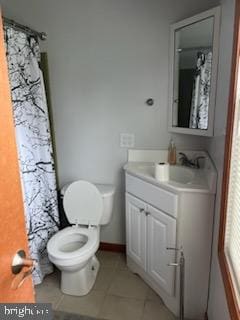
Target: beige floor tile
118	308
118	294
153	296
52	279
48	294
122	263
156	311
126	273
126	284
104	279
108	259
88	305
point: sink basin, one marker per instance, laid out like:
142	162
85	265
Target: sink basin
178	174
182	174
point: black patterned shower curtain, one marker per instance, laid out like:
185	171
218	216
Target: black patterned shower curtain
34	143
201	91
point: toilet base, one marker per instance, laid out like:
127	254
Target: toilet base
80	282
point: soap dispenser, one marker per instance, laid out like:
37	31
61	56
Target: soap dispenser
172	158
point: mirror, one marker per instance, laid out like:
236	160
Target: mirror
193	65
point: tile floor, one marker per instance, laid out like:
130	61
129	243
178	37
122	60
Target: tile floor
118	294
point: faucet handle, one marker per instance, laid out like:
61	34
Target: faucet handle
200	157
182	154
196	161
183	158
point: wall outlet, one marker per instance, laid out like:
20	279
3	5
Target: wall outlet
127	140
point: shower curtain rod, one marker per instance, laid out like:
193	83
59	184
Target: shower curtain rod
18	26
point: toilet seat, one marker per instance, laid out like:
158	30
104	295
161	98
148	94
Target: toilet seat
70	235
83	203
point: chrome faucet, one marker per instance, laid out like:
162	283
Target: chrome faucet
185	161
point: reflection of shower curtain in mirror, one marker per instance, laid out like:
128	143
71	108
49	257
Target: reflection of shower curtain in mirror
34	145
201	92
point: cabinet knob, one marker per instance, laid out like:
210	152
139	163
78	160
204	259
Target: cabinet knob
175	249
141	210
147	213
173	264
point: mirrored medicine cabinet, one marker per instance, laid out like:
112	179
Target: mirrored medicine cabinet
194	46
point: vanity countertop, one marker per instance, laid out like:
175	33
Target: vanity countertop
182	179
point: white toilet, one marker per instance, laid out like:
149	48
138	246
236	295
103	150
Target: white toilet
73	249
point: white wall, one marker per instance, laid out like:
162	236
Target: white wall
217	309
106	58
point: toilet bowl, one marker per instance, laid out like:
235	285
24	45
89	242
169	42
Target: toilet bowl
72	250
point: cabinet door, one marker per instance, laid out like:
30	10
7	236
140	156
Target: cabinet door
136	229
161	234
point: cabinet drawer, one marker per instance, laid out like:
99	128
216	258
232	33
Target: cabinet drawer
153	195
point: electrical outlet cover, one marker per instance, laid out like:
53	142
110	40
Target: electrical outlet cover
127	140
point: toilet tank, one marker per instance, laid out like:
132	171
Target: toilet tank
107	191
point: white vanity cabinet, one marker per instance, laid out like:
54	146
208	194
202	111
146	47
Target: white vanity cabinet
161	215
149	232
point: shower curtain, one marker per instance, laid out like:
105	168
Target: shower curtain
34	144
201	92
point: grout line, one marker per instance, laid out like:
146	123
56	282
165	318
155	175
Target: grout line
124	297
143	309
101	307
57	304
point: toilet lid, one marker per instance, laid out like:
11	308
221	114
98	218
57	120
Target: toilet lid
83	203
